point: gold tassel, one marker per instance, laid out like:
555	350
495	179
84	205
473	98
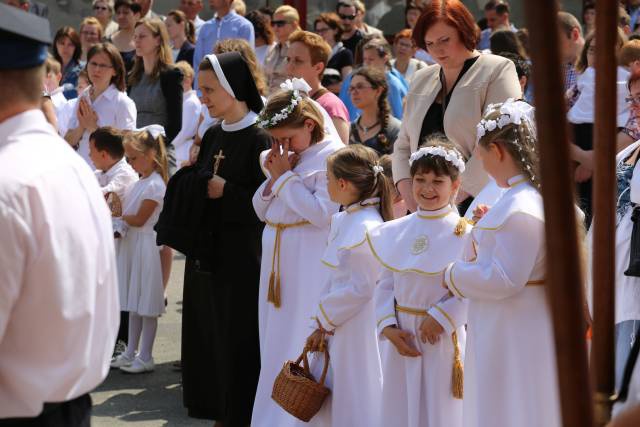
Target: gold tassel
271	292
457	373
461	226
276	295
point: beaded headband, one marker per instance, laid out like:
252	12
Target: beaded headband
451	156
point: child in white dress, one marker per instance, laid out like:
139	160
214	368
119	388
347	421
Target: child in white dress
510	364
295	205
345	315
414	312
139	270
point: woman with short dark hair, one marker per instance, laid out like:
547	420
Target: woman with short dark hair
104	103
67	50
127	14
328	26
451	96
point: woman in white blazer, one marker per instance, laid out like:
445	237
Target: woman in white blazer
463	80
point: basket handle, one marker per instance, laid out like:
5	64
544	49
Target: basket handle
305	364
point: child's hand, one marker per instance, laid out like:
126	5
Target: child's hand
430	330
479	212
278	160
401	340
316	341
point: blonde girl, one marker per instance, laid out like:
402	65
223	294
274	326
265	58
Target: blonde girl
139	268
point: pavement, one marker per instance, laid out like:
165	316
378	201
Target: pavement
151	399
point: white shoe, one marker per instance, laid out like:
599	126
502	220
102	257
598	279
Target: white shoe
121	360
138	366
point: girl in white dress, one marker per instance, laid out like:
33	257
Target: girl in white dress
414	312
345	315
295	205
510	364
139	270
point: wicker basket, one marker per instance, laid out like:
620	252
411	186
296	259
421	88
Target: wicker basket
297	392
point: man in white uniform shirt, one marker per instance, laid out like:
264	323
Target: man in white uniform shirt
58	283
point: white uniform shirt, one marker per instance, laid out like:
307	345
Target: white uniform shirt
117	179
114	108
59	309
191	108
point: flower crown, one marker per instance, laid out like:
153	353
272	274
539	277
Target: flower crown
451	156
511	112
295	86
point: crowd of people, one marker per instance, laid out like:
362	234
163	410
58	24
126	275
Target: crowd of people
369	198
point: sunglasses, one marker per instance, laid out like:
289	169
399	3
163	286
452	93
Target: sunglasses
348	17
279	23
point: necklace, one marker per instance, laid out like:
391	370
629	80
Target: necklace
366	129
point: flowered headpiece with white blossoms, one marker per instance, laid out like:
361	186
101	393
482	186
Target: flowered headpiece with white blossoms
296	86
521	115
450	155
511	112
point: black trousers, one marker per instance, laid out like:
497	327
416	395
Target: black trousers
73	413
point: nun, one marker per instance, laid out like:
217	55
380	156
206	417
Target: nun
209	216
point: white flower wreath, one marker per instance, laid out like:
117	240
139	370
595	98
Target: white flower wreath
451	156
511	111
296	86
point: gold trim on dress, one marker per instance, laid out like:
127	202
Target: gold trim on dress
446	315
453	283
284	182
396	270
273	295
435	216
356	208
515	184
388	316
324	313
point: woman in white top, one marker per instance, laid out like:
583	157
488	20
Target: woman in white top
104	103
191	107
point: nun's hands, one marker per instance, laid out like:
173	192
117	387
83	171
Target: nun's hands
279	161
215	188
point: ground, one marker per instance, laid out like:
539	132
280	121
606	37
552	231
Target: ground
153	399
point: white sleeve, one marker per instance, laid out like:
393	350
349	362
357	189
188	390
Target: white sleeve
119	184
314	206
13	259
261	203
451	313
126	114
506	272
190	117
154	191
341	304
385	302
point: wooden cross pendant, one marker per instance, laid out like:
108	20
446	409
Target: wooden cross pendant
216	165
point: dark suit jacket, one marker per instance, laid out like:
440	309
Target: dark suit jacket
171	84
186	53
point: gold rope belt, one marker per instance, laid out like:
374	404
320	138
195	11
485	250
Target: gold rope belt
273	295
457	371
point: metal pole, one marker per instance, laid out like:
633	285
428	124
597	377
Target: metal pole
563	257
604	202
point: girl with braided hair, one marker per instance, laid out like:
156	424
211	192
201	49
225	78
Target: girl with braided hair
376	127
510	364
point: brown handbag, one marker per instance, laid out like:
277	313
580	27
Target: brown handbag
297	392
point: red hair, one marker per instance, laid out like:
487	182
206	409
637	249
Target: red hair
452	13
